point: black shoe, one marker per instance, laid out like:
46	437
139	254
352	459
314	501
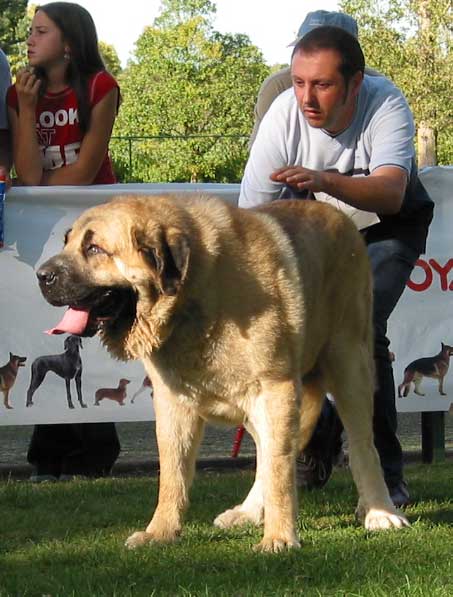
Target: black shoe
314	465
399	494
312	472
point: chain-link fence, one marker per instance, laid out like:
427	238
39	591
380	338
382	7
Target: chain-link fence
179	158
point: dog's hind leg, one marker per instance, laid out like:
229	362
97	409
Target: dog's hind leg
313	393
179	430
38	373
251	510
78	381
352	387
274	415
417	382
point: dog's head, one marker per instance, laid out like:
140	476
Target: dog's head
73	343
120	261
17	360
123	382
447	349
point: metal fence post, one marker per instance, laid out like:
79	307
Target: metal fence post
433	437
130	156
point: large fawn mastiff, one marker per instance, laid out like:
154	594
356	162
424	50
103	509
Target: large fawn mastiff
239	316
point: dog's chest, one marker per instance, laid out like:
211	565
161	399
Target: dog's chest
218	397
7	376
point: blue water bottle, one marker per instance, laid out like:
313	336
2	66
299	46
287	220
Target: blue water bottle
2	207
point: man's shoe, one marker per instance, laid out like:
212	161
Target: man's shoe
312	471
43	478
399	494
314	465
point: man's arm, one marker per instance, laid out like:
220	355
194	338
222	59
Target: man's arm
269	152
380	192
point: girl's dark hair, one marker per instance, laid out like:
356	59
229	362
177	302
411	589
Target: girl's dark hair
79	33
335	38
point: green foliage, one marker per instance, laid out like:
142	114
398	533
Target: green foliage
14	24
110	58
410	42
193	83
176	12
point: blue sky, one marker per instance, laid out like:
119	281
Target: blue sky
270	25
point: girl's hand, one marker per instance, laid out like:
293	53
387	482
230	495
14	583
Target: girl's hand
27	87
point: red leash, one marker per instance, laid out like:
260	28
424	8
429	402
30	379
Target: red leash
237	441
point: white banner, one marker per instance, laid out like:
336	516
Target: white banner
36	219
423	318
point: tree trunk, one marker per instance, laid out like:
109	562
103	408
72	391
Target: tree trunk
426	137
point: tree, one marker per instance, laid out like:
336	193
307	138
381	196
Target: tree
410	42
110	58
194	85
13	30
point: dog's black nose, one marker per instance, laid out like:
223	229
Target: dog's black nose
46	276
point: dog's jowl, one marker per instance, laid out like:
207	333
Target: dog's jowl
239	316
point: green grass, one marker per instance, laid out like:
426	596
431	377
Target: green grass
66	539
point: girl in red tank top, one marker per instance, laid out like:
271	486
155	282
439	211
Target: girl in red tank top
63	105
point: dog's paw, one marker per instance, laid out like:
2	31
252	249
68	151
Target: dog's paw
378	520
238	517
138	539
276	544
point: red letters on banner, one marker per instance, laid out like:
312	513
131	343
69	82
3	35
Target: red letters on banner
430	270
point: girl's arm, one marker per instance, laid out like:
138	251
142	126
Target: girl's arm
26	153
93	147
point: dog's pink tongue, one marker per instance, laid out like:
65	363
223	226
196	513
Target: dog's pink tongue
74	322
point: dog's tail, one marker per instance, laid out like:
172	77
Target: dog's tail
138	392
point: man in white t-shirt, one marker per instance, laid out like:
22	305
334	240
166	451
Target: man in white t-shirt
281	80
5	141
346	138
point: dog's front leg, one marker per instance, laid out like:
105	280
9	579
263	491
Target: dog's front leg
6	399
179	430
275	418
78	381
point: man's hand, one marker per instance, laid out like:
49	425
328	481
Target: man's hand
300	178
381	192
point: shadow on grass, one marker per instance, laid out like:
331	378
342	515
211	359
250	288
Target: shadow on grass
68	539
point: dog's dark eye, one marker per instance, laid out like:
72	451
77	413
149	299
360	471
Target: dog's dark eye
94	250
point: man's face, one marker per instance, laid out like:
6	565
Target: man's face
321	92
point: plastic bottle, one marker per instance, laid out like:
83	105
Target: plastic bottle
2	207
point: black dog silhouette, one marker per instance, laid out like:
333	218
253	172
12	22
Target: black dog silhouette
67	365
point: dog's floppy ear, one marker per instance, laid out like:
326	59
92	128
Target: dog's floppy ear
168	256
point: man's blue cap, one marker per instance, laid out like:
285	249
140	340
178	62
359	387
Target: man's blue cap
325	18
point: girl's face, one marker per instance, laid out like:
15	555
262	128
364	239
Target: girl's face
45	43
